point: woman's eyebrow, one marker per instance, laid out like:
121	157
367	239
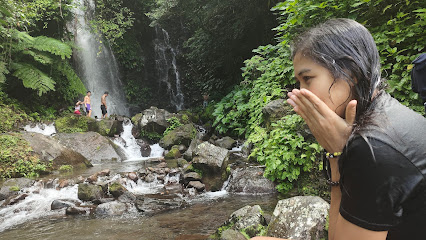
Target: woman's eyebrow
304	71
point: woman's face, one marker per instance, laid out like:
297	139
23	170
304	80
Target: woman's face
318	80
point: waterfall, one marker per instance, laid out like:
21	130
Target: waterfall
131	147
96	63
166	68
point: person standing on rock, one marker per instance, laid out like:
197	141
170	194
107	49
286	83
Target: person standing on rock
87	103
375	149
104	105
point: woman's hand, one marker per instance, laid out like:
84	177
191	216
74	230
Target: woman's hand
329	129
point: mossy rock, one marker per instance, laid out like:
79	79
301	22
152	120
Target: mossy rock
73	123
116	189
174	153
106	127
89	192
181	135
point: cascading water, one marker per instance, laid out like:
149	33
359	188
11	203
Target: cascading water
42	128
130	145
167	71
96	63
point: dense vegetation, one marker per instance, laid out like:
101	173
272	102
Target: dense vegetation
398	28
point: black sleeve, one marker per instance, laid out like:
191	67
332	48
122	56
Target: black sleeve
375	187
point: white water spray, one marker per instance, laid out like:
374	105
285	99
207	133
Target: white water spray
42	128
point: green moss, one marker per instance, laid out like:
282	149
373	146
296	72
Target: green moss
173	153
253	231
14	188
153	136
66	168
10	116
17	158
72	124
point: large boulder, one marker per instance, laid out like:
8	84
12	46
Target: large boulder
152	120
106	127
181	135
231	234
188	154
12	187
226	142
248	219
145	147
250	180
116	189
301	217
274	111
89	192
91	145
212	161
49	149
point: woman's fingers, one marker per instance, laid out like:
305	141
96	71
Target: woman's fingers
319	105
351	112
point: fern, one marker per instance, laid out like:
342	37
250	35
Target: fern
53	46
3	71
40	57
75	82
33	78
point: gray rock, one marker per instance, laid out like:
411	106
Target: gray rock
145	147
59	204
250	180
212	161
181	162
275	110
210	158
89	192
12	187
191	176
197	185
14	199
77	210
106	127
301	217
188	154
153	120
92	146
116	189
181	135
231	234
111	209
225	142
48	148
127	197
247	217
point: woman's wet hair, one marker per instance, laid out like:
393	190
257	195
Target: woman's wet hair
348	51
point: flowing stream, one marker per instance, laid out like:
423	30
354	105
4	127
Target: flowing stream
196	216
96	62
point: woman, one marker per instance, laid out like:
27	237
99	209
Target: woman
376	146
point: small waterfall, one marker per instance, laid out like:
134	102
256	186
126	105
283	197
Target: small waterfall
130	145
167	71
96	63
42	128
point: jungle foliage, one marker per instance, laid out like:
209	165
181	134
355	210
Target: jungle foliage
32	63
398	29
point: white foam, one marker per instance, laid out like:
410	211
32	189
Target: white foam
42	128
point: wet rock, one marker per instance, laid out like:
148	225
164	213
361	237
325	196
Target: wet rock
152	204
274	111
145	147
182	148
59	204
250	180
161	165
89	192
181	135
92	146
103	173
197	185
226	142
111	209
173	153
80	179
133	176
173	188
14	199
231	234
12	187
212	161
249	219
142	173
188	154
301	217
64	183
116	189
127	197
51	183
181	162
50	149
93	178
152	120
106	127
191	176
76	210
150	177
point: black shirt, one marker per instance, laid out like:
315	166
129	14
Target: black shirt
383	173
